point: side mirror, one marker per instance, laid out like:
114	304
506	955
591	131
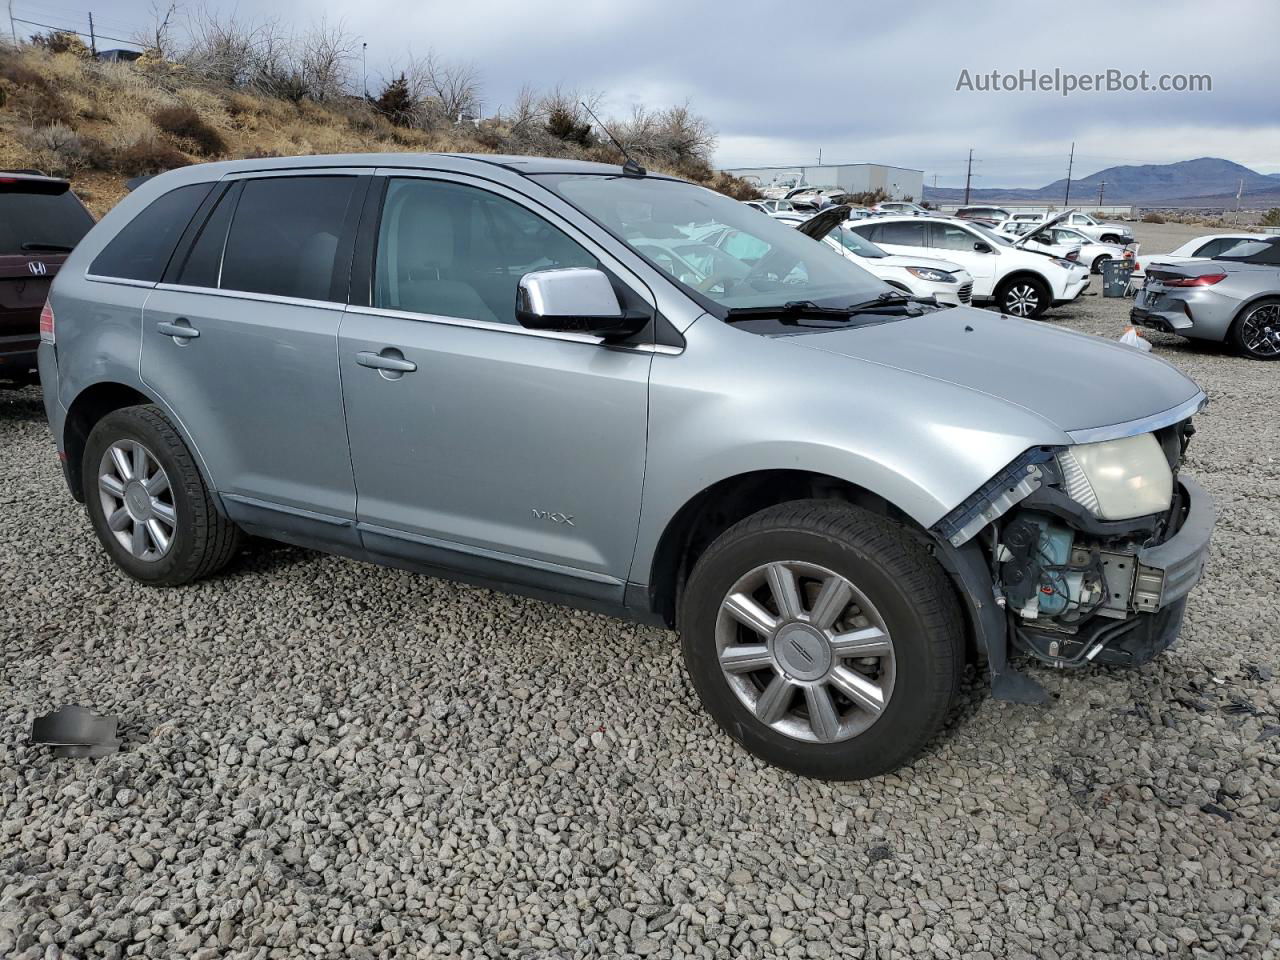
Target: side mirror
574	300
982	246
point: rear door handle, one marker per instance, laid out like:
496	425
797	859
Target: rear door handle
180	329
387	360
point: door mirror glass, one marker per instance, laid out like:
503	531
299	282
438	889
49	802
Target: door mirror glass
982	246
574	300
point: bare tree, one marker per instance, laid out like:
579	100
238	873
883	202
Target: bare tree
455	86
323	56
157	40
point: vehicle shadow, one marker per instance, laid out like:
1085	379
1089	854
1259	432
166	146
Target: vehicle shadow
20	403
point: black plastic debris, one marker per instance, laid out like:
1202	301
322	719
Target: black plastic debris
1216	811
878	853
75	731
1269	731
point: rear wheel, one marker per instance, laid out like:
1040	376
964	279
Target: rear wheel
148	503
823	639
1098	262
1110	238
1256	331
1023	297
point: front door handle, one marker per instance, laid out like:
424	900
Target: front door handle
389	359
180	329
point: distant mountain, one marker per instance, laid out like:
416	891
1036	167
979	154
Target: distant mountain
1208	181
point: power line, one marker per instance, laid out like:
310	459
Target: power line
79	33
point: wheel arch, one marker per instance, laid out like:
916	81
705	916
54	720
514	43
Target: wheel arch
92	404
719	506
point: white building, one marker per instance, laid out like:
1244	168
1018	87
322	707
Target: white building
901	183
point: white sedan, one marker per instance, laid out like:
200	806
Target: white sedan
1208	246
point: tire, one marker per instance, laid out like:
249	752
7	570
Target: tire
1096	266
1109	238
200	540
1255	332
899	590
1026	297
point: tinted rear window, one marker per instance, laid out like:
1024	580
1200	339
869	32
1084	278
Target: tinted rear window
141	250
285	235
35	219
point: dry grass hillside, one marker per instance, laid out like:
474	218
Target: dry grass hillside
101	123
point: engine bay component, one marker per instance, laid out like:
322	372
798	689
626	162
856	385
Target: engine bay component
1044	575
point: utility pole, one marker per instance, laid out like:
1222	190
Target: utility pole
1066	202
12	27
364	67
1102	186
968	177
93	40
819	156
1239	190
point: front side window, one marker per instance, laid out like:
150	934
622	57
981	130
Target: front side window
453	250
285	234
947	236
141	250
674	226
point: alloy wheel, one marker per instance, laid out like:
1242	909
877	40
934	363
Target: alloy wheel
1260	330
805	651
136	500
1021	300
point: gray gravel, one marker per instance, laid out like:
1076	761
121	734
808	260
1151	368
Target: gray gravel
330	759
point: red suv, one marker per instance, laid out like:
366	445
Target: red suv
41	220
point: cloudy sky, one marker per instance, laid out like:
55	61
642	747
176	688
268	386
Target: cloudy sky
856	81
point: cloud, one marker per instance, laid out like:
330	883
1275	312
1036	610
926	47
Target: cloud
781	81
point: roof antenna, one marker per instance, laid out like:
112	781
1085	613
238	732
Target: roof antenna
630	168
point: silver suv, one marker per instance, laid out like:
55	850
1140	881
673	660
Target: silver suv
538	375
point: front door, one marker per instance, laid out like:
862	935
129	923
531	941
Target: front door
479	445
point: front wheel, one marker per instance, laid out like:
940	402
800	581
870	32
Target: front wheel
1256	331
1023	297
823	639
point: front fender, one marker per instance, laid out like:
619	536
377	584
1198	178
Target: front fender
735	403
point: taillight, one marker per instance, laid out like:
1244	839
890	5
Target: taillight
1204	280
46	323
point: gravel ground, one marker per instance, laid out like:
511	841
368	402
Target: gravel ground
327	758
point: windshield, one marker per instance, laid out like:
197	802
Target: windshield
990	234
722	252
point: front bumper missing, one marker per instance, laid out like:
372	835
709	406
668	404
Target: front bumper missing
1167	572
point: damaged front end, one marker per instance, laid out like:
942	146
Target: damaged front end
1087	553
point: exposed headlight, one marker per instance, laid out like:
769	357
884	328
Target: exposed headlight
929	273
1118	479
1065	264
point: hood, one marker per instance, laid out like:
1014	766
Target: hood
1040	228
830	218
1072	380
903	260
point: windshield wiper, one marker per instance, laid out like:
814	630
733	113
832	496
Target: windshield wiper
790	308
51	247
889	303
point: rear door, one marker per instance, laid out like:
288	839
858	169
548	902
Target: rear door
241	342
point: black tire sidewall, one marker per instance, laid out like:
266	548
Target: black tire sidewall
1002	295
1236	337
127	424
911	715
